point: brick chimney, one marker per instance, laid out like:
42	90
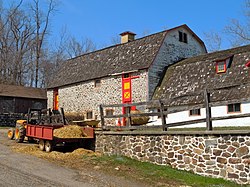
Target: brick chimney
127	37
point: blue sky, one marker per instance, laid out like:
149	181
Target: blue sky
100	20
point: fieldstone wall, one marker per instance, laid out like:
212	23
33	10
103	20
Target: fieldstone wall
223	156
83	97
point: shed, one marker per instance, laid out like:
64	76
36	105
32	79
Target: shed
18	99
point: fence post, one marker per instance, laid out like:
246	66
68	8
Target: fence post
208	110
63	116
128	122
163	116
102	116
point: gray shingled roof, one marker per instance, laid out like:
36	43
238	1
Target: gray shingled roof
134	55
21	91
184	80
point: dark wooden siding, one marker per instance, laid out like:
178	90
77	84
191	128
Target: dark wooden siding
20	105
6	104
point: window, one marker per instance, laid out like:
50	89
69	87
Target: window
126	75
183	37
221	67
89	115
109	112
97	83
231	108
195	112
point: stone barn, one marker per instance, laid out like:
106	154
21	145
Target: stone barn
100	77
225	73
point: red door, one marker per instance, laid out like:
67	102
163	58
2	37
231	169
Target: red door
55	99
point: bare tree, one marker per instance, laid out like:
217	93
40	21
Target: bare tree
240	32
42	22
15	38
25	58
21	29
236	32
56	57
213	41
75	48
115	40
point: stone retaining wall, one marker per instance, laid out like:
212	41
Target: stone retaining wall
224	156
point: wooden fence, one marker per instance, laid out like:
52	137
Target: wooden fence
9	119
163	111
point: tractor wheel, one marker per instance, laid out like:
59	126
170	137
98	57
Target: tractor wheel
20	133
41	145
11	133
48	146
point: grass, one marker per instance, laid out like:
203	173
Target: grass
156	175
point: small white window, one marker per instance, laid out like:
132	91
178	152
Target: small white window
233	108
195	112
89	115
221	67
109	112
97	83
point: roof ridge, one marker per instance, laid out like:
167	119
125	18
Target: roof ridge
116	45
233	50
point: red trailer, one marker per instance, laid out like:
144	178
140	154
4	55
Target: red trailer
40	125
44	133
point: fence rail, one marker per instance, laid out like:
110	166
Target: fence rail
9	119
164	109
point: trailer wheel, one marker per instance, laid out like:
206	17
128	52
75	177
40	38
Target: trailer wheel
48	146
41	145
11	133
19	133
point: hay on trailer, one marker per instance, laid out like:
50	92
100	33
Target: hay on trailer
138	120
69	131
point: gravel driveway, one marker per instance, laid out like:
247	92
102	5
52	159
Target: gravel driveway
18	169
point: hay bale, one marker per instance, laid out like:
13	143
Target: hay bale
69	131
138	120
74	116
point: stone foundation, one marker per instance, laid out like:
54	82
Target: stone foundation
214	155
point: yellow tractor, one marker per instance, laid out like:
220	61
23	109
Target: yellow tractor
18	132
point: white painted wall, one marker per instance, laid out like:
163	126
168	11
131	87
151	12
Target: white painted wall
171	51
215	111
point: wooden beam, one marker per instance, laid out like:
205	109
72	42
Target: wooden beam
231	117
163	116
102	116
208	110
129	121
186	122
134	115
